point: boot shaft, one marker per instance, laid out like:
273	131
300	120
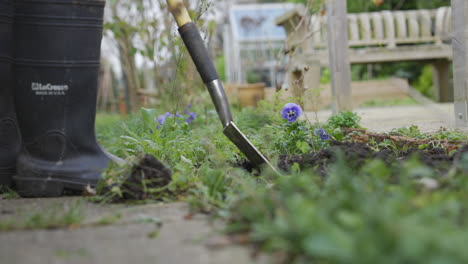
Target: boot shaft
57	53
6	57
9	137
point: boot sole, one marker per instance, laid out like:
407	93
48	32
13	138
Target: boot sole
48	187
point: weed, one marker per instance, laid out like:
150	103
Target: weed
344	119
153	234
411	131
443	134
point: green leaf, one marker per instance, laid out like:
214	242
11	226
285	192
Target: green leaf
303	146
148	116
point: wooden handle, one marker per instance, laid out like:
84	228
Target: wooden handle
180	13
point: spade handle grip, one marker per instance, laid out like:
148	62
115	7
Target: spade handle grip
205	67
180	13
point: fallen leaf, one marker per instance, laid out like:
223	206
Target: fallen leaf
189	216
242	239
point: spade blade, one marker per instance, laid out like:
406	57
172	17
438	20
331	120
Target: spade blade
245	146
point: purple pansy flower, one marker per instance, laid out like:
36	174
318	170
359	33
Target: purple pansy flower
291	112
191	117
178	115
322	134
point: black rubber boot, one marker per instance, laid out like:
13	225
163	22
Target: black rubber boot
57	53
9	137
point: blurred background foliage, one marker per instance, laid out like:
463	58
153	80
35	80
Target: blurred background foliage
355	6
418	74
149	57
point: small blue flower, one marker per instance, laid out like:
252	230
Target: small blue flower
322	134
187	110
162	119
191	117
291	112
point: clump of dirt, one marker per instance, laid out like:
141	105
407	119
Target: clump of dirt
149	173
144	179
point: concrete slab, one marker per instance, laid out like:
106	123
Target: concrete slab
429	118
153	233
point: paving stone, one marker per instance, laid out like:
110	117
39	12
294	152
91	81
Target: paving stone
429	118
153	233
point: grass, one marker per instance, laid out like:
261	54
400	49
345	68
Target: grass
59	216
377	213
109	219
8	193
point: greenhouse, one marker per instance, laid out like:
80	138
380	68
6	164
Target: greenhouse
252	41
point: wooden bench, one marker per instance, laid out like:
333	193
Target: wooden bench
374	37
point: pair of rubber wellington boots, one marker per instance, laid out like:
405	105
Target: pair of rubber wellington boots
49	63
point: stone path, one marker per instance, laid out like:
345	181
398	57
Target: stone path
429	118
155	233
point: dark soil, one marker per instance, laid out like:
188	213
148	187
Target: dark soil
356	154
245	164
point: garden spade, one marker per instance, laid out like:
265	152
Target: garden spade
196	47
